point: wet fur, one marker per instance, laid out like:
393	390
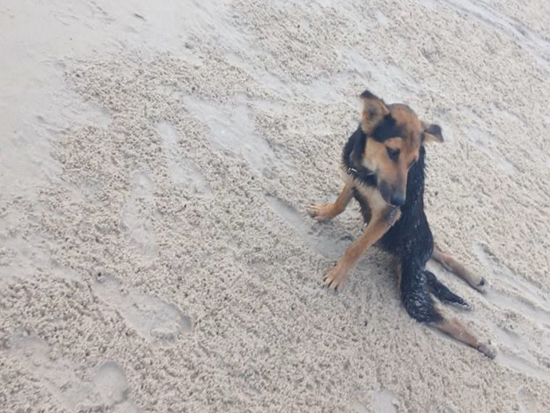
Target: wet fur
409	239
390	192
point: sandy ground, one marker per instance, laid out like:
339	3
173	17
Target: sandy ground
155	162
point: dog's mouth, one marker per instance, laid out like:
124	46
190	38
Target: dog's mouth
371	178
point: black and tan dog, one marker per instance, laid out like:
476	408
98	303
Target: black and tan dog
383	165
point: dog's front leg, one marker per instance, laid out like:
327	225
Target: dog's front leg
325	212
377	227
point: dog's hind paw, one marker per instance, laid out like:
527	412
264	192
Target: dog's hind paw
488	350
321	213
464	306
481	285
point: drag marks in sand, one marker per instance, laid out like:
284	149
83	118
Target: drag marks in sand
514	298
508	26
489	145
324	239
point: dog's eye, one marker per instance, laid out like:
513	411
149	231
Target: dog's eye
393	153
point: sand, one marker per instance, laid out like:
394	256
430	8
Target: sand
156	159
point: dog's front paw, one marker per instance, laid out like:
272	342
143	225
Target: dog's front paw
334	279
321	213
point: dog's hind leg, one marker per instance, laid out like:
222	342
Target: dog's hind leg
459	332
325	212
451	264
444	295
414	293
419	305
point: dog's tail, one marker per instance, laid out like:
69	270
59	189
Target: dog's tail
444	295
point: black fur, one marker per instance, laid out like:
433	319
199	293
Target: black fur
386	129
353	152
434	130
368	95
409	239
443	293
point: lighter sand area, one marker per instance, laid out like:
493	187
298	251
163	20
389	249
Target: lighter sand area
156	159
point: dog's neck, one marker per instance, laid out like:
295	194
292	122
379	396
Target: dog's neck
362	174
350	159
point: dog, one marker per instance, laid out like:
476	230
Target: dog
383	164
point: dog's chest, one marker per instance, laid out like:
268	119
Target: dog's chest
371	196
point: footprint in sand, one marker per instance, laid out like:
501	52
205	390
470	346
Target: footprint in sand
384	401
111	383
108	388
527	403
149	316
182	171
137	216
323	238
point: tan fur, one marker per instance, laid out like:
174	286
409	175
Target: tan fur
451	264
393	172
373	111
325	212
380	222
375	200
376	157
459	332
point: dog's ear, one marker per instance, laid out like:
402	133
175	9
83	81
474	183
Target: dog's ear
431	133
374	110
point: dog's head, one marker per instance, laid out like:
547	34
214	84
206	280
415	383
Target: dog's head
394	135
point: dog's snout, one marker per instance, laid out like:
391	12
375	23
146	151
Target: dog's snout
397	200
392	195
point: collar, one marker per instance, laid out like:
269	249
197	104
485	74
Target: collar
356	172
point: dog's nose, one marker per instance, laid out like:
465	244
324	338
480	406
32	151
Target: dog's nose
397	200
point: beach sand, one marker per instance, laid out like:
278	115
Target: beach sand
156	159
